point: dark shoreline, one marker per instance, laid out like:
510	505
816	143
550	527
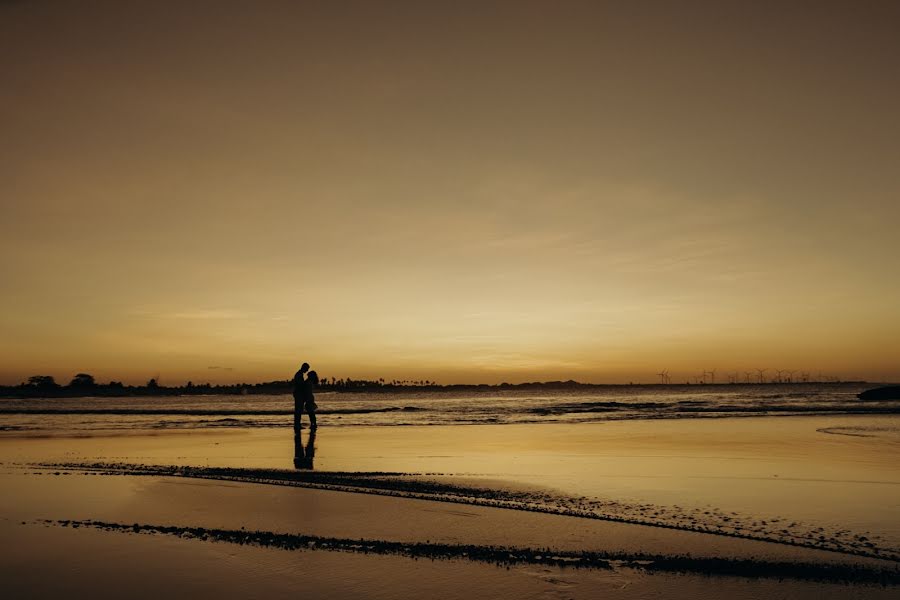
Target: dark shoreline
699	412
503	556
114	390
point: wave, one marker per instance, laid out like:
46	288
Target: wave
686	407
596	407
200	412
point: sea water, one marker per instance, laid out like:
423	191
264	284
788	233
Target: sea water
439	407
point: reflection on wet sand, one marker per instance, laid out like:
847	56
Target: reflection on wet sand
303	456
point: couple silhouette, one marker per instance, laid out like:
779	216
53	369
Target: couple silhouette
304	400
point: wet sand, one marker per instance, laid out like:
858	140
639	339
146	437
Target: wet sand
661	472
774	469
52	562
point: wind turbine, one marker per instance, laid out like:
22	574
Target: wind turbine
778	376
761	371
791	375
712	375
747	376
663	377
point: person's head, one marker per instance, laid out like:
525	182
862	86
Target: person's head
313	377
304	367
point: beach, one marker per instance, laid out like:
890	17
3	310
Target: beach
740	502
581	300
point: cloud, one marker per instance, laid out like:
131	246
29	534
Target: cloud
207	314
191	314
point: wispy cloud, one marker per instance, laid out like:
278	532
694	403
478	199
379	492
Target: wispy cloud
190	314
208	314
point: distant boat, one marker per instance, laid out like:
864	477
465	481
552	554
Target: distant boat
888	392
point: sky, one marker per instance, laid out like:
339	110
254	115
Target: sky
454	191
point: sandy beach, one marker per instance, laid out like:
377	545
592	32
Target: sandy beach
812	500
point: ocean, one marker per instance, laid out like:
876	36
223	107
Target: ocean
438	407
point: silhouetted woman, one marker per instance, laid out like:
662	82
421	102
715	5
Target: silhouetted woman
309	402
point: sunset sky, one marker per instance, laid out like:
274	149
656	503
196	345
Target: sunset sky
458	191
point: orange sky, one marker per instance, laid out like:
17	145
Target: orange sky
454	191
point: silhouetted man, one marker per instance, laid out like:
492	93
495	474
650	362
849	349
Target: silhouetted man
300	395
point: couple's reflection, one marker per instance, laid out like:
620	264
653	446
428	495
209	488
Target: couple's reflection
303	456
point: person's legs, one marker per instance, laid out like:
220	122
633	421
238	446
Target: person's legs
312	419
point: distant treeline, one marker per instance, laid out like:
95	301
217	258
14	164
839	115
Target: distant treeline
83	384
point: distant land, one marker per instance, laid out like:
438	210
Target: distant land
84	385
